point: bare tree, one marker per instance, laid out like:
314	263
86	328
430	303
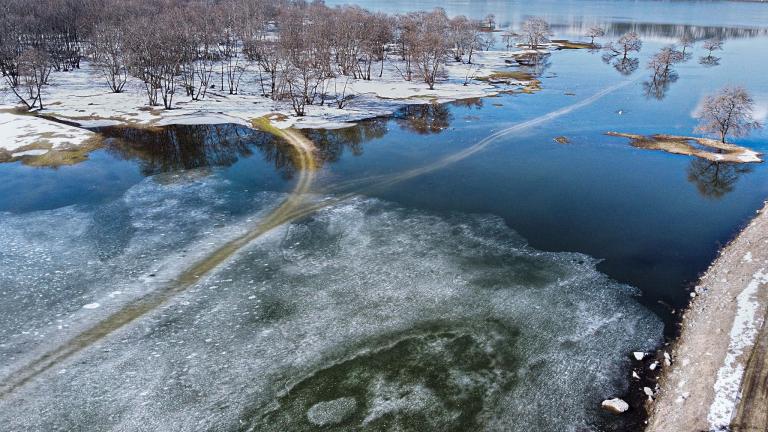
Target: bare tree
593	33
535	32
489	22
302	82
380	36
267	54
472	71
341	94
714	44
487	40
373	43
156	51
508	37
229	51
711	45
727	113
661	63
686	41
627	43
299	68
663	74
11	42
108	55
199	38
431	48
34	67
465	37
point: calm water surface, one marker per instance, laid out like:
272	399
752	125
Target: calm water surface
522	275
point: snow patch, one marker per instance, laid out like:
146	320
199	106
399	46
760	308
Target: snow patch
81	97
30	153
18	131
745	327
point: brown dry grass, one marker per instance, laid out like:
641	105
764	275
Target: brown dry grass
690	146
566	44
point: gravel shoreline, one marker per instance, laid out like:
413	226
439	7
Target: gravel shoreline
719	360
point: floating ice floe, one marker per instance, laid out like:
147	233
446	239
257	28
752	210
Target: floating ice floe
449	318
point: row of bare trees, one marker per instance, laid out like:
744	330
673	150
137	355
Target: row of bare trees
306	53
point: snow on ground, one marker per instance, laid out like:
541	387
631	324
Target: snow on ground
82	96
749	156
746	325
19	133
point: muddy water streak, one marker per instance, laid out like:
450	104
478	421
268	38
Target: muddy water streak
292	208
303	153
347	190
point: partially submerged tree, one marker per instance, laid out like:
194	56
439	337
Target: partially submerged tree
626	65
535	32
489	23
686	41
488	40
663	74
711	45
661	63
627	43
727	113
714	44
509	37
593	33
617	53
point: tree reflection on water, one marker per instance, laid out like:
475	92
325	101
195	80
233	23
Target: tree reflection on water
425	119
709	61
183	147
658	85
715	179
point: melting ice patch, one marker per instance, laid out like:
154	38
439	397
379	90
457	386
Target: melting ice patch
57	266
363	316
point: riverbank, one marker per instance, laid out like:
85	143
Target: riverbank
714	381
80	99
81	96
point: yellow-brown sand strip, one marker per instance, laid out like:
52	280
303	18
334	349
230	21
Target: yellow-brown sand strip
304	157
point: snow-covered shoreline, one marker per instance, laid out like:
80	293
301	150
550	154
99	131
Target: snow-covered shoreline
81	97
705	386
